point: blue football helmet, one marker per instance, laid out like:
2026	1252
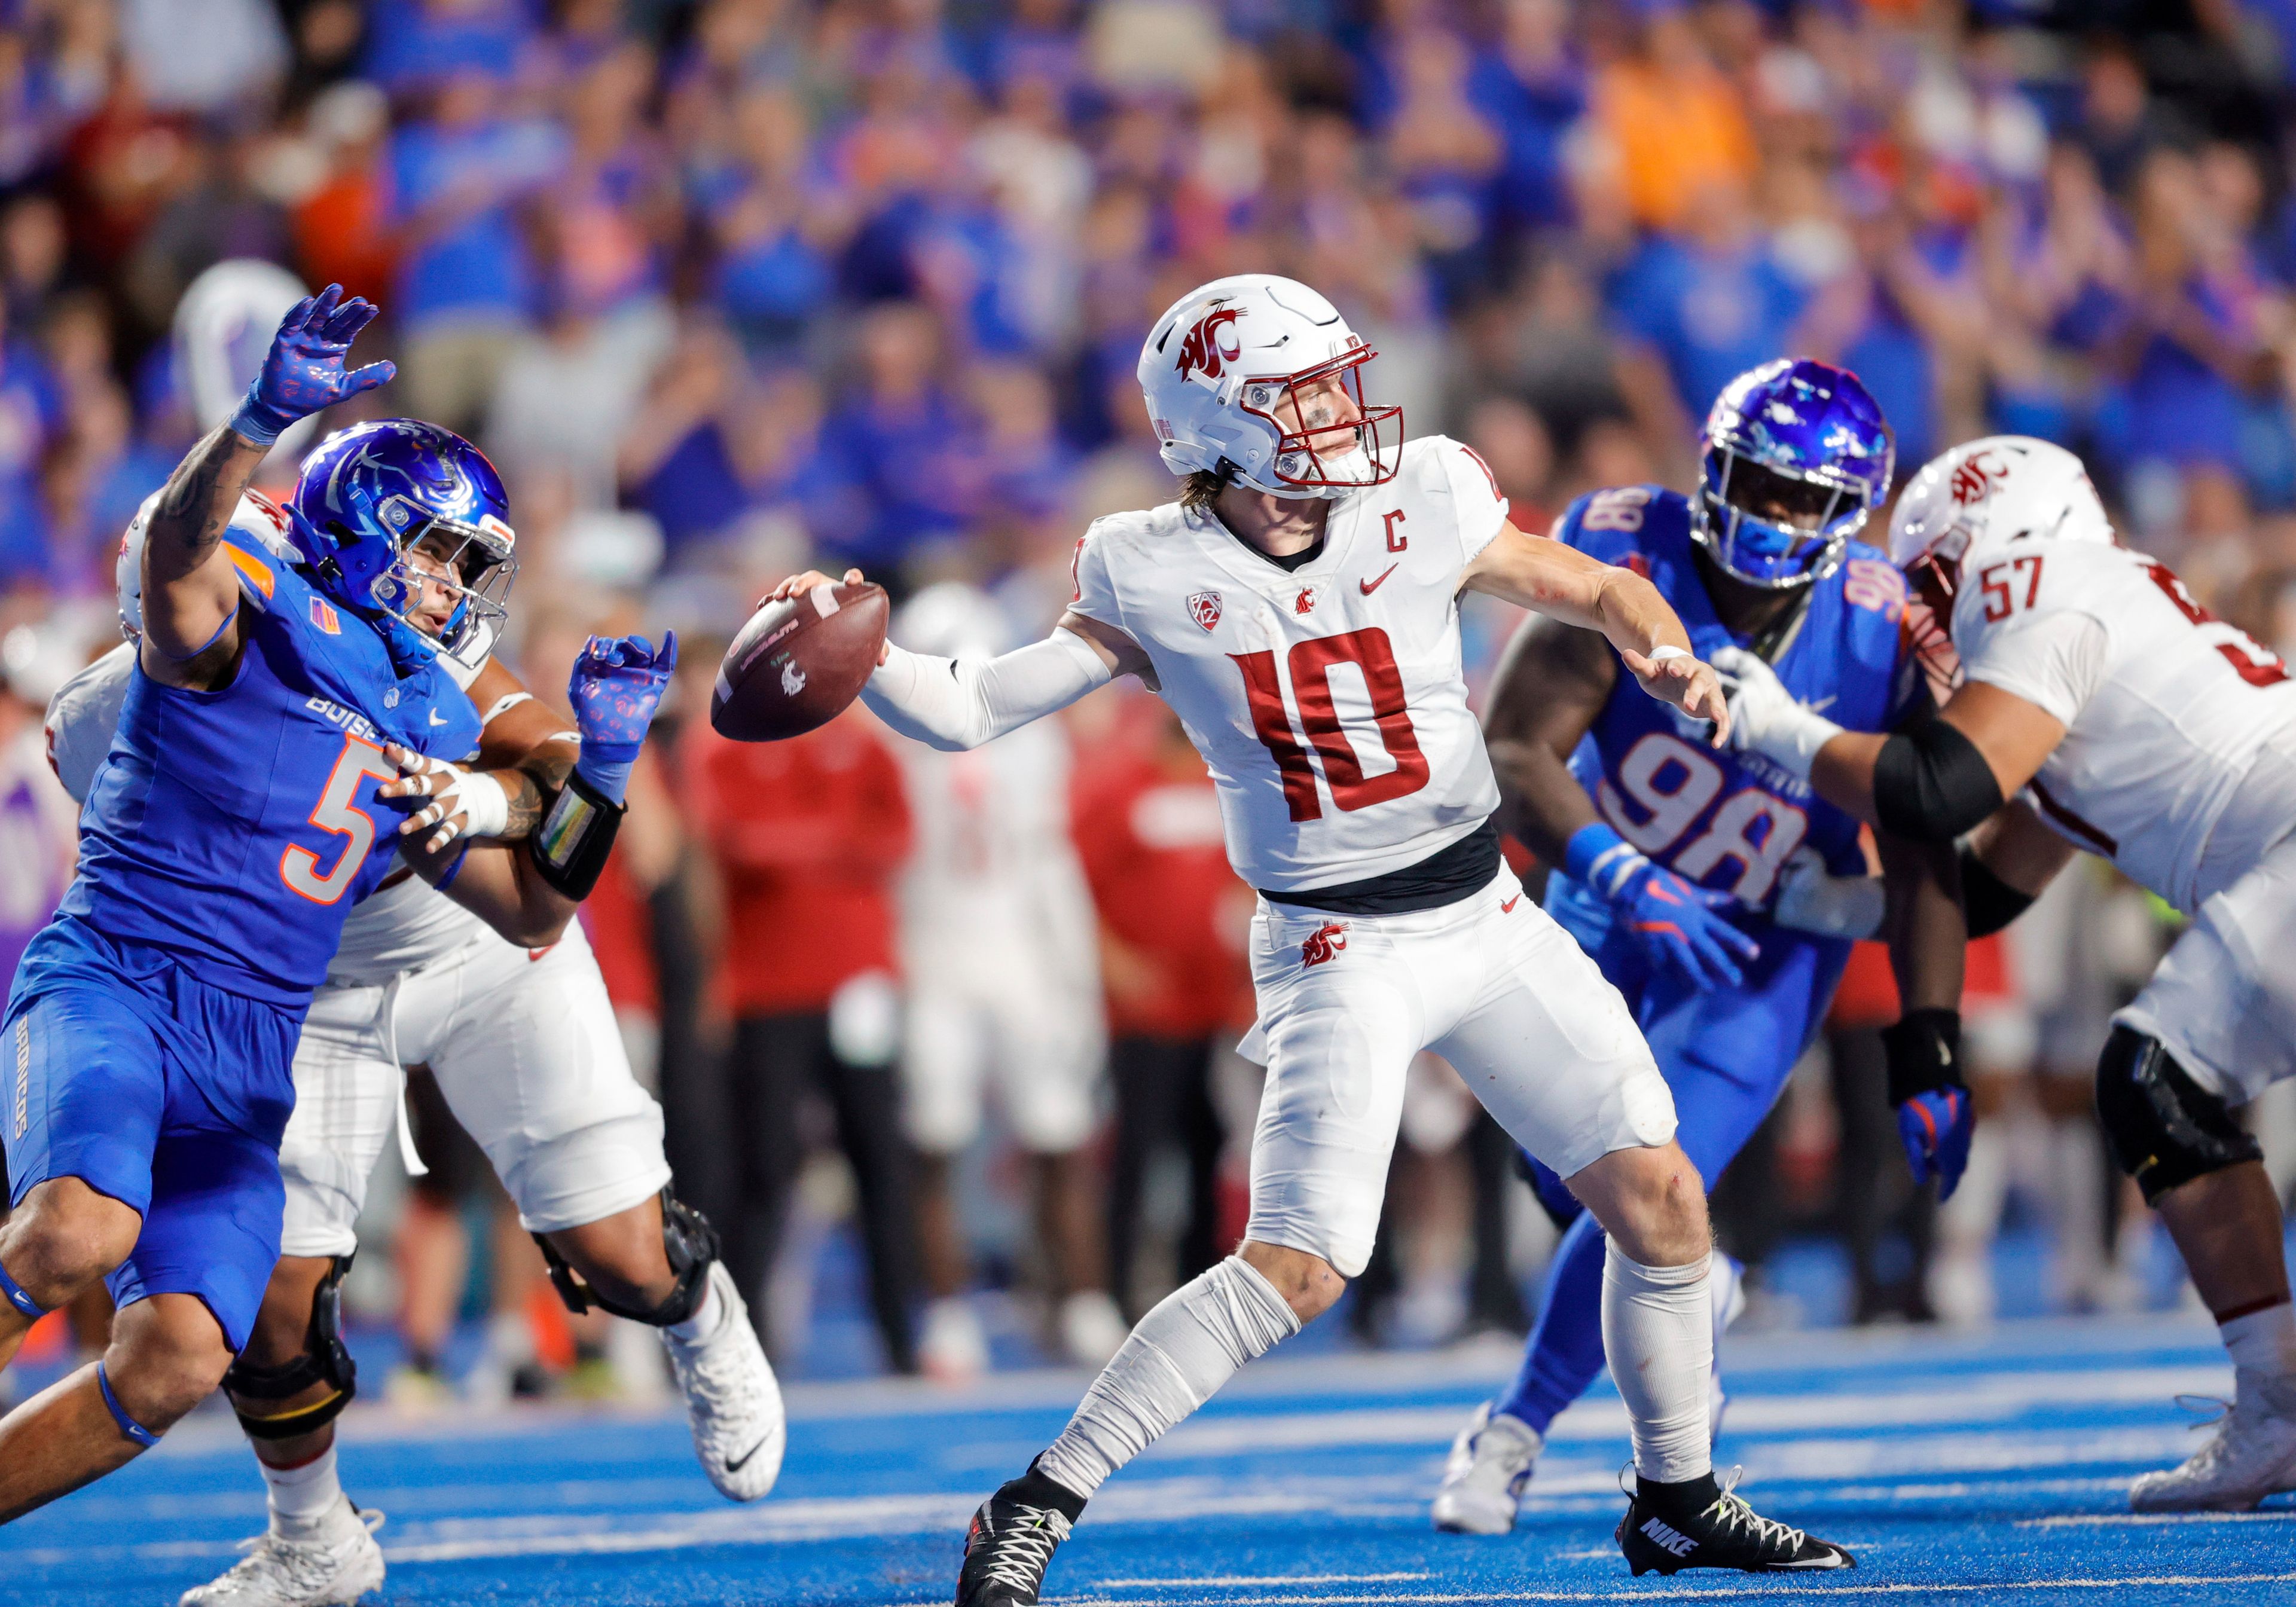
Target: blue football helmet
373	498
1794	458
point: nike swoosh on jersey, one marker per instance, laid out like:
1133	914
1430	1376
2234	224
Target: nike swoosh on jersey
1369	586
436	718
1508	907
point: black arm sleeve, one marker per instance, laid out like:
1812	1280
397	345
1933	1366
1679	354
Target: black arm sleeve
1987	902
1930	783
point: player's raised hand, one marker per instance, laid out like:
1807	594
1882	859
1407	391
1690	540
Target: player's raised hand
303	372
805	582
458	802
1672	676
616	684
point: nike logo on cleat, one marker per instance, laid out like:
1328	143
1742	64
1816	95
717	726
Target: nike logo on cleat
1369	586
736	1464
1669	1538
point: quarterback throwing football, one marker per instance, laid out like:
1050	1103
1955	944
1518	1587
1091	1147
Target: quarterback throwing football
1298	608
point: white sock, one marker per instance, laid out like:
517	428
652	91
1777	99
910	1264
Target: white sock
1181	1352
1657	1332
301	1497
703	1323
2263	1341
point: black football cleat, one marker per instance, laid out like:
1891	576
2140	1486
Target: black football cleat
1013	1539
1701	1524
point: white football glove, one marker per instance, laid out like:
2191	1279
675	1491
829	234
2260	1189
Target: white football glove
1764	717
1813	900
463	803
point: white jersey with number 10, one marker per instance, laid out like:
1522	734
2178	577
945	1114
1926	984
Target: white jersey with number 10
1328	701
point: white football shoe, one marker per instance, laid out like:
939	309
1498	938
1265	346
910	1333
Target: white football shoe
952	1346
1092	1329
332	1566
735	1405
1482	1484
2252	1455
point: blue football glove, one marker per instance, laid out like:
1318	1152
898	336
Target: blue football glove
303	372
1677	922
617	683
1935	1118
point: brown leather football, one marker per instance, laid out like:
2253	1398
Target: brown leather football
796	664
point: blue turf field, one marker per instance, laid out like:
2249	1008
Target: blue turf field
1969	1470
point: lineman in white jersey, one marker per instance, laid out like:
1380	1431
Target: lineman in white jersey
2130	723
1298	609
525	1047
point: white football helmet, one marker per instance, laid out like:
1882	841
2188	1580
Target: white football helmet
1258	377
2000	488
257	518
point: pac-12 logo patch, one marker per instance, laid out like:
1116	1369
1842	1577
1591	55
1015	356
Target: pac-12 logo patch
324	616
1324	944
1204	608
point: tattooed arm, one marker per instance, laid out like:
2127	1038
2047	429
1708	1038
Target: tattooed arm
191	593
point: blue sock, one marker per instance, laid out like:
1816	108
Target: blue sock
17	1297
128	1426
1566	1347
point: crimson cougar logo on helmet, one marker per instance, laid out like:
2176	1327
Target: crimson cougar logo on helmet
1973	479
1203	352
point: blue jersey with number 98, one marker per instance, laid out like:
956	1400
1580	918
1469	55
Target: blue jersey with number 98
235	829
1722	819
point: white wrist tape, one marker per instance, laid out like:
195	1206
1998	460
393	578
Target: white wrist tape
957	703
475	795
1661	653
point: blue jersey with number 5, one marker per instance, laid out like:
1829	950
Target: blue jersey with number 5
235	829
1731	820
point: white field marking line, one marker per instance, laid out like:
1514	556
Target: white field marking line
2138	1520
1162	1502
1238	1581
1696	1592
1559	1493
1989	1400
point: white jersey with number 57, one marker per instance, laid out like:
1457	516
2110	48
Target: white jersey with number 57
1328	700
2179	753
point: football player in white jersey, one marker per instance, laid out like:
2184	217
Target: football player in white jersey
1298	608
2125	721
1001	967
526	1049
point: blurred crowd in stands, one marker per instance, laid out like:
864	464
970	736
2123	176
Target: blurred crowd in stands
730	286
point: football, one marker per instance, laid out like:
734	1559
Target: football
798	663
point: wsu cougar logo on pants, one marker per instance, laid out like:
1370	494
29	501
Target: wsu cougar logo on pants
1324	943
